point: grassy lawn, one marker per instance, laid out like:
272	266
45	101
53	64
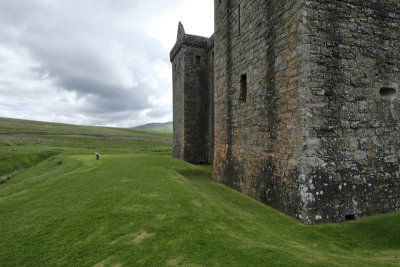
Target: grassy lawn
138	206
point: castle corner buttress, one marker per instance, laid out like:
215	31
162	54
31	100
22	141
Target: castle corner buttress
296	103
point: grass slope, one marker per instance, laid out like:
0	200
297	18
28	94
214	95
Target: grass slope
138	206
22	134
15	161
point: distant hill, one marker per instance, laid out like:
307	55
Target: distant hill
160	127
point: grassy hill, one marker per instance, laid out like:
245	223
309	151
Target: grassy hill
159	127
24	143
138	206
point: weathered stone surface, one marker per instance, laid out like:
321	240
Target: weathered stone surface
317	135
193	99
352	53
258	143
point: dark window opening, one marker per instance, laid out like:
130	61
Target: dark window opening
243	88
386	91
239	18
350	217
198	60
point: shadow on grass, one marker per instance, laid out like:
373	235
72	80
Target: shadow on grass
196	174
379	232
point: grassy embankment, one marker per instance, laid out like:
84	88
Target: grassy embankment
137	205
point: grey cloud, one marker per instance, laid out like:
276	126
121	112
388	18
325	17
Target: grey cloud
95	49
156	113
117	101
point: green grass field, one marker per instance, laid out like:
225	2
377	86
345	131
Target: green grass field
138	206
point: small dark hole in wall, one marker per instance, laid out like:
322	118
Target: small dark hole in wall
350	217
198	60
387	91
243	88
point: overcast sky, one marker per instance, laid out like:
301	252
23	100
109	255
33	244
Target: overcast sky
92	62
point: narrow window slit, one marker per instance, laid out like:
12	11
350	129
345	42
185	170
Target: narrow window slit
387	91
243	88
198	60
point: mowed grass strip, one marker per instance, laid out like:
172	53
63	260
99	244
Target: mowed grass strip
124	210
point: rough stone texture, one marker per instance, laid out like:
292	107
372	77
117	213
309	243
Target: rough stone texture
258	142
317	136
193	117
210	100
349	163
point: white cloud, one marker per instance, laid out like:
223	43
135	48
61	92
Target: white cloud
92	62
196	16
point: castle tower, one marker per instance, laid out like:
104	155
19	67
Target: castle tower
307	94
307	103
192	63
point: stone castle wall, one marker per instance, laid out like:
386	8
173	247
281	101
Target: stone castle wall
306	104
210	101
193	117
178	106
258	141
350	157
